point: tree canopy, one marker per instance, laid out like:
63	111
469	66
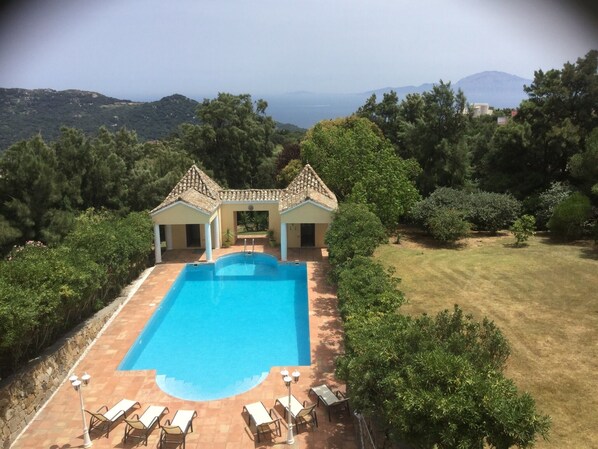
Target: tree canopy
354	159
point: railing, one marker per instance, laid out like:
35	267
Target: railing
252	246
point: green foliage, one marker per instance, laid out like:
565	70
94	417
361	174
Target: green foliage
351	154
366	289
437	382
46	291
234	137
548	200
430	383
492	211
447	225
44	186
569	216
289	172
584	166
523	228
354	231
486	211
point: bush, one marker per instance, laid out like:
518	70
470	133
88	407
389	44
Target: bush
365	287
569	217
492	212
355	231
548	200
44	291
485	211
448	225
523	228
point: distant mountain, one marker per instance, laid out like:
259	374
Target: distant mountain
499	89
23	113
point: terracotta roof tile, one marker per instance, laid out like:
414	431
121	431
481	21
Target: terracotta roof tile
198	190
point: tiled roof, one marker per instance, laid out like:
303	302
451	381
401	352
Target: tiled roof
196	189
307	186
199	190
251	195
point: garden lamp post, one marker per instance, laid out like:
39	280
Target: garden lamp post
288	380
77	385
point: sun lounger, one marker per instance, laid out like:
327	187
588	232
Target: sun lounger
262	418
330	399
139	427
301	413
104	420
175	431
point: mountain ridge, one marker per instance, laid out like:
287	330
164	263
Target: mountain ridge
25	112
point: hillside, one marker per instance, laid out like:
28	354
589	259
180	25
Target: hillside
25	112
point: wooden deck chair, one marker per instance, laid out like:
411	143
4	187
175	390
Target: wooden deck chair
175	431
263	420
139	427
104	420
330	399
301	413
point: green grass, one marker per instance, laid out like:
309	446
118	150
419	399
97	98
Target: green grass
544	297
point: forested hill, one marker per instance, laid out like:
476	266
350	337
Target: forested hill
25	112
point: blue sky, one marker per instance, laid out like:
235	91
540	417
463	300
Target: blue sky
147	49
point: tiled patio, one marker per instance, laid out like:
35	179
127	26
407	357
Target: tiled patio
220	424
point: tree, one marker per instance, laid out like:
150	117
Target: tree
438	382
354	231
355	160
583	166
434	136
28	187
569	217
523	228
560	112
233	139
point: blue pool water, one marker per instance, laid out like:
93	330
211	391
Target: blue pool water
222	326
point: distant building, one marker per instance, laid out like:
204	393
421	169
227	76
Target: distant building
481	109
500	121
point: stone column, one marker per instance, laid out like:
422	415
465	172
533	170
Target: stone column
157	244
283	242
168	237
217	232
208	232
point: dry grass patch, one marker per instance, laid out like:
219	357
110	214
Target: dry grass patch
544	297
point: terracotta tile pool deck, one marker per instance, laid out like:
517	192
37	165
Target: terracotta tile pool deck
220	424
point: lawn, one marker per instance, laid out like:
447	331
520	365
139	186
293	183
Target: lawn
544	297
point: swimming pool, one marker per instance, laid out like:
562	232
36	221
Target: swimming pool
222	326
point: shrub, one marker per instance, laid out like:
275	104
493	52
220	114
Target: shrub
448	225
548	200
485	211
44	291
569	216
489	211
355	231
523	228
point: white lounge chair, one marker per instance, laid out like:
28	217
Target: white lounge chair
301	413
175	431
104	420
139	427
262	418
330	399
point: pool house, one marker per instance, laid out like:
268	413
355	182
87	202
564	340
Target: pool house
198	213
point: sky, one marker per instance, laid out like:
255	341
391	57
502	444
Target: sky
148	49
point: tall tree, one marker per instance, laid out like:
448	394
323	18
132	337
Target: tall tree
233	139
28	187
561	113
356	161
